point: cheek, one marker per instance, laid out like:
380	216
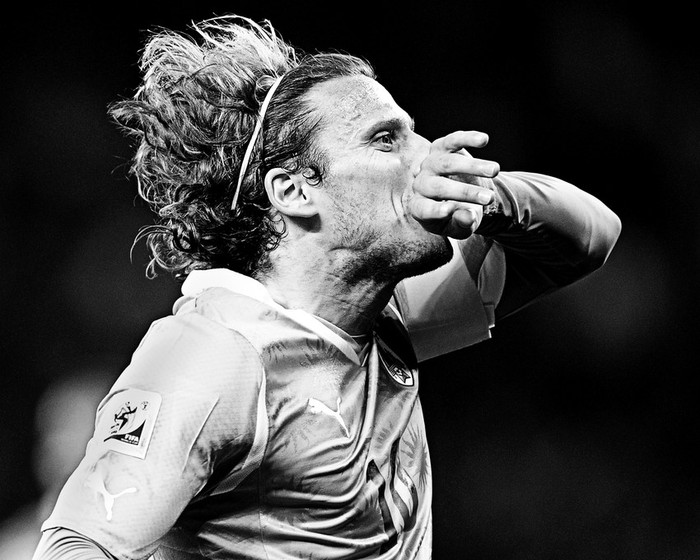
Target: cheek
369	189
377	168
383	176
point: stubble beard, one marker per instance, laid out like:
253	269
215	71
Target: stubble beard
416	257
381	254
387	259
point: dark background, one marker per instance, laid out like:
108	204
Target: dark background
573	432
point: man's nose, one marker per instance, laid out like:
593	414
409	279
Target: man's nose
420	148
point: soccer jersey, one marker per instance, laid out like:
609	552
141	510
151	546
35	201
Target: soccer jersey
242	429
245	430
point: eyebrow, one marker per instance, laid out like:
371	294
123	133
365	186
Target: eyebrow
393	123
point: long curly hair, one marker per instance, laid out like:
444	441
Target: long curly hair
191	120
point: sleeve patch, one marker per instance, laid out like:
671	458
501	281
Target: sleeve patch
129	419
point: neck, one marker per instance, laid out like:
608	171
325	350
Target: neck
331	286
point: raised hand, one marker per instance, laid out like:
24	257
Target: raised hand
450	190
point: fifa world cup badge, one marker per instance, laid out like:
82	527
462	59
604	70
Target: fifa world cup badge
130	417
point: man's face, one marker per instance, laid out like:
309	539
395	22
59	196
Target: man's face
373	155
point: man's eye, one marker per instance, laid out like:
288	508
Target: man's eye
385	139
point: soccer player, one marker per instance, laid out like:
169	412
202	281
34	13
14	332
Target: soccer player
326	249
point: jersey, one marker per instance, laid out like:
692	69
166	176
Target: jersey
242	429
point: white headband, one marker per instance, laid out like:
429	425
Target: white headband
253	138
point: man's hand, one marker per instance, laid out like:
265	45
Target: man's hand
449	192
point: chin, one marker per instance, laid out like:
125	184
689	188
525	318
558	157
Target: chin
425	256
394	258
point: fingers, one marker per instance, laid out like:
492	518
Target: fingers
460	165
443	188
453	219
448	196
459	139
424	209
463	223
448	156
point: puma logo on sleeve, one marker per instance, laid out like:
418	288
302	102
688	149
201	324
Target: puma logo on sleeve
109	499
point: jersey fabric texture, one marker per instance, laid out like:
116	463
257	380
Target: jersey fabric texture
242	429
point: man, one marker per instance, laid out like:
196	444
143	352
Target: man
326	248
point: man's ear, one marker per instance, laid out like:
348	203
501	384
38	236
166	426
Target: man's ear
289	193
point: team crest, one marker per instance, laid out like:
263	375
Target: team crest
395	366
129	419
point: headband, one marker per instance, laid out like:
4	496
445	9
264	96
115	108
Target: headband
253	138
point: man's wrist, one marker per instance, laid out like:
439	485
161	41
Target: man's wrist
496	205
494	220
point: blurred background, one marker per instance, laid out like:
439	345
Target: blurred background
571	434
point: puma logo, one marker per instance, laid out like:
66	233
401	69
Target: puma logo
109	499
317	407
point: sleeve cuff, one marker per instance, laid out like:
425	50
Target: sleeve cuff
443	309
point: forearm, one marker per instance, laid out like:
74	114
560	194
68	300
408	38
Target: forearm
553	234
64	544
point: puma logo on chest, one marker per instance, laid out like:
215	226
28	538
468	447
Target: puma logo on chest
318	407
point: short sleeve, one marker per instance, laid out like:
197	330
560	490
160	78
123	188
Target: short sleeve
188	397
453	306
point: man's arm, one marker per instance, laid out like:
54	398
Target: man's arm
552	233
528	235
187	403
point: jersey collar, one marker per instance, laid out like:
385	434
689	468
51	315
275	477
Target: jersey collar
198	281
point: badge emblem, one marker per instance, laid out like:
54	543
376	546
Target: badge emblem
394	366
131	415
